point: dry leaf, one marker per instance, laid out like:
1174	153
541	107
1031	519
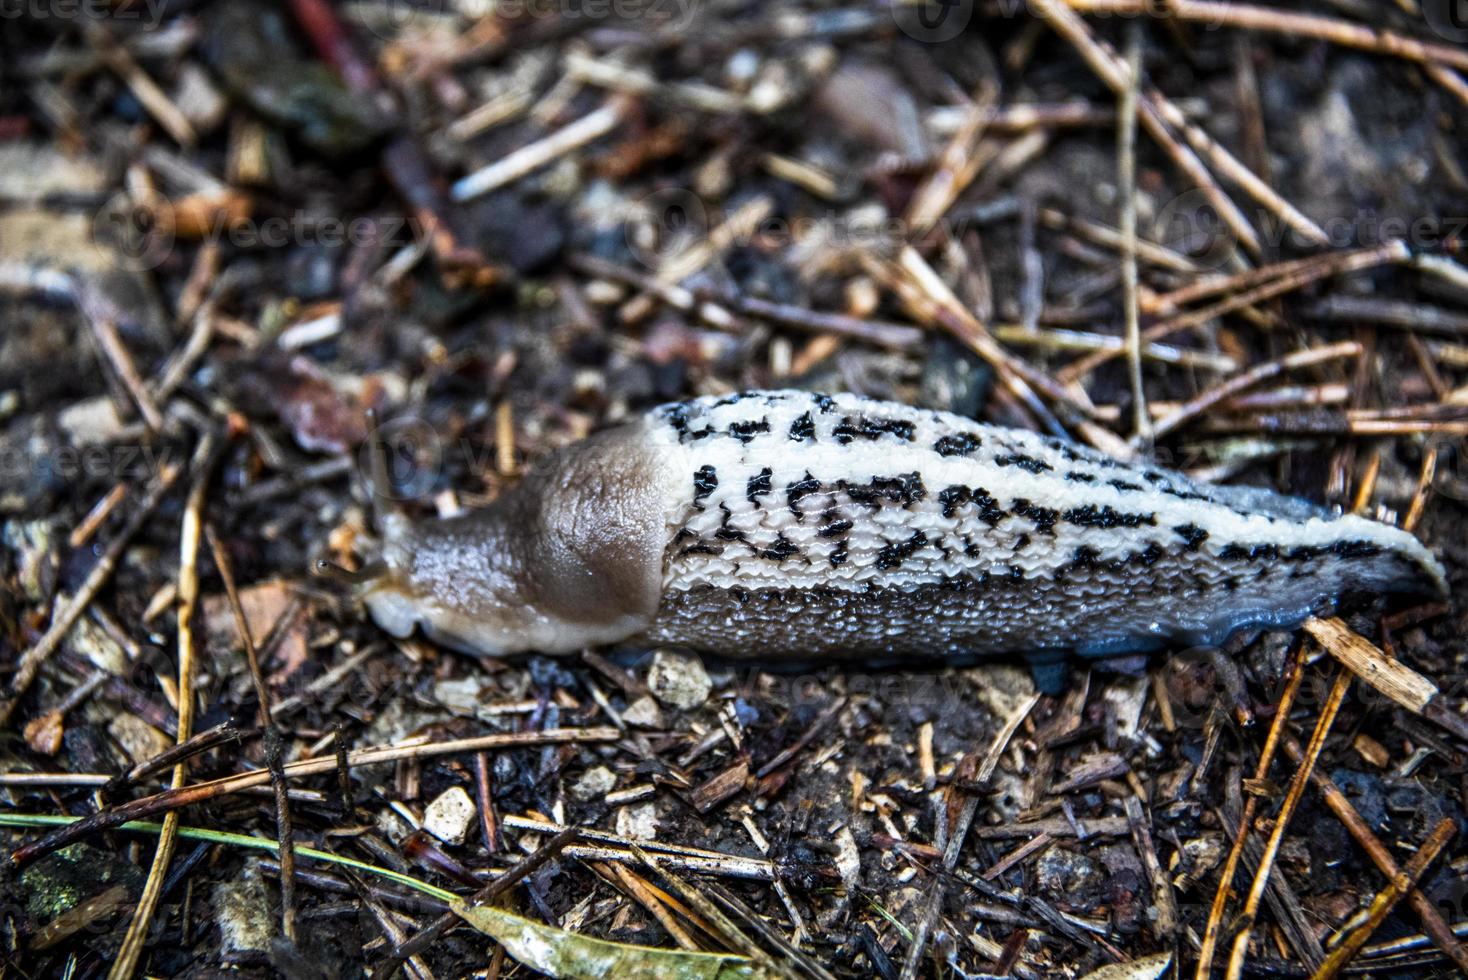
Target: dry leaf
572	956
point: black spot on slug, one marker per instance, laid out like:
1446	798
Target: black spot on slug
952	498
864	427
758	485
803	428
1023	462
893	555
1106	517
801	488
1125	487
705	482
746	431
989	510
1085	557
962	444
838	553
782	549
1149	555
835	528
1193	536
1044	518
1259	552
1076	476
905	489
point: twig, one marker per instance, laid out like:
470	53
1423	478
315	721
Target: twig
1274	20
111	345
1070	26
1401	883
173	799
147	91
273	754
542	152
426	937
1162	897
643	894
1432	922
1282	822
1386	674
97	516
404	159
1424	489
1294	674
991	758
63	619
896	336
1036	843
957	165
790	751
1241	382
1126	139
728	931
1296	277
1055	339
188	597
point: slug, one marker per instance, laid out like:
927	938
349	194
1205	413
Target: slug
778	524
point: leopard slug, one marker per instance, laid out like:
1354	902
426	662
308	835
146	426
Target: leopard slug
777	524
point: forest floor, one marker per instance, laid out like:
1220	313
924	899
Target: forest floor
233	235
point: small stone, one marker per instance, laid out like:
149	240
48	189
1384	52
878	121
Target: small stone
848	859
1069	877
639	822
140	740
644	713
450	816
679	681
242	909
594	783
463	696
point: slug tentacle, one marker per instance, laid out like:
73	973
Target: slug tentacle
783	522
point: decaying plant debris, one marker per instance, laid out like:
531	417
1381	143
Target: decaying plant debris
1223	235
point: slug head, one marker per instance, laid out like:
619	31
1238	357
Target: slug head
570	557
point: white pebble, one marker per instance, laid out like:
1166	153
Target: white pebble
679	681
449	816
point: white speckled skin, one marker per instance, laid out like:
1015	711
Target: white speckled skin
785	523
